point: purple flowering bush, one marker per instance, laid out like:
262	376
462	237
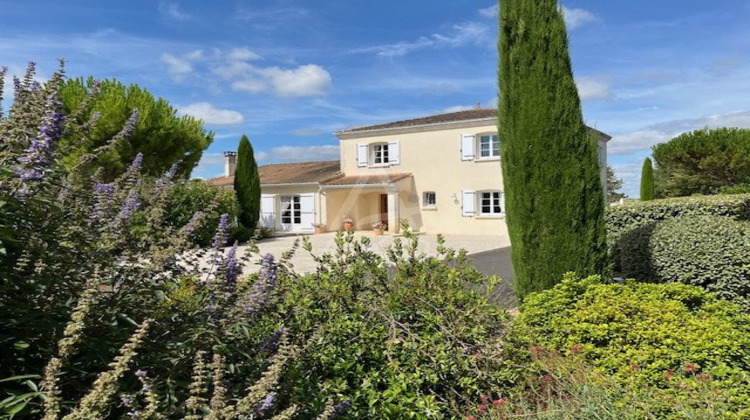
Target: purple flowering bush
100	278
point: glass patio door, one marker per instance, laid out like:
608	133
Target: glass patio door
291	212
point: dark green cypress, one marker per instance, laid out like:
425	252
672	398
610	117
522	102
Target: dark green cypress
247	185
647	180
553	193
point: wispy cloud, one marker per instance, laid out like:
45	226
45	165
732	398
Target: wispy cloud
459	35
307	132
577	17
212	115
593	89
305	153
180	66
642	140
173	11
489	12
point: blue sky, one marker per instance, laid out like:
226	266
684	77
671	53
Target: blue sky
288	73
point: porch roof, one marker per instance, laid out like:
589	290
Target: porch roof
371	180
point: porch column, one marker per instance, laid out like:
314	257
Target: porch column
393	212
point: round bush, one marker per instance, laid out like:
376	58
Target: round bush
640	331
708	251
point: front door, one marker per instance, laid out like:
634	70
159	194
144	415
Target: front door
384	208
291	212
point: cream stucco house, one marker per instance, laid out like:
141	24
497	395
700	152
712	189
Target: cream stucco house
440	173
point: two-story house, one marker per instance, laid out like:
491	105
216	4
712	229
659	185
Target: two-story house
440	173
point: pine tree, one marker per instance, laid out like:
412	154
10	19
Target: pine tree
553	193
247	185
647	180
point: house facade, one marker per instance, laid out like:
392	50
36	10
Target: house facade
440	173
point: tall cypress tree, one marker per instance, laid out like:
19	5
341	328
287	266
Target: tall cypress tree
247	185
647	180
553	193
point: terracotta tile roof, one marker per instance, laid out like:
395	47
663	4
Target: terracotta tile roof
471	114
289	173
367	179
468	115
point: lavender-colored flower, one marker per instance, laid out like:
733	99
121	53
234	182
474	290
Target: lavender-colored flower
146	388
222	232
232	268
173	171
267	403
103	203
129	127
126	400
129	207
258	297
39	155
193	224
137	164
141	373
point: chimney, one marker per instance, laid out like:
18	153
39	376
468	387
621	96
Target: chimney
478	105
230	163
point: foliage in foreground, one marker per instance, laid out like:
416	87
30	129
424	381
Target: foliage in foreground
642	335
557	387
404	342
553	191
703	161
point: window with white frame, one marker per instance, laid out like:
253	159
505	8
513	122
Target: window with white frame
379	153
490	203
429	199
489	145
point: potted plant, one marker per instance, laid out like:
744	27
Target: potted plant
319	228
379	228
347	224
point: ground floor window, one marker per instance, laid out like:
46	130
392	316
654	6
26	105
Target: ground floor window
489	203
291	209
429	199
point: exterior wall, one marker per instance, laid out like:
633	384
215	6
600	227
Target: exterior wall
320	205
433	157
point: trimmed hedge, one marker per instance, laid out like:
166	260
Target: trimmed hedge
629	227
708	251
641	333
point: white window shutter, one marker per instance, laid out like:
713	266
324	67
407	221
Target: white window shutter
361	155
268	211
307	209
394	153
467	147
469	203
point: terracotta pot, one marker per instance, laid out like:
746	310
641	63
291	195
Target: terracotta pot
378	232
347	226
319	230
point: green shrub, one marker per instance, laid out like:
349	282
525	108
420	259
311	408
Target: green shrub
186	198
735	189
401	338
708	251
629	227
639	333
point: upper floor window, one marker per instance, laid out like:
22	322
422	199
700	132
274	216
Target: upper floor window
480	146
489	145
429	199
379	153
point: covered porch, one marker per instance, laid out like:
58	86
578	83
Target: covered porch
367	200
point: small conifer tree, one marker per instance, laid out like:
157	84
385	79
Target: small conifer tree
247	185
647	180
553	193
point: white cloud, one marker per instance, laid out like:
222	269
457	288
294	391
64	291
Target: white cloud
173	11
179	67
242	54
249	85
636	141
593	89
489	12
307	132
460	35
577	17
305	153
212	115
456	108
306	80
